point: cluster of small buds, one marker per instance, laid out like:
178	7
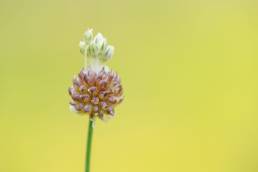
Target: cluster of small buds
97	46
96	90
96	93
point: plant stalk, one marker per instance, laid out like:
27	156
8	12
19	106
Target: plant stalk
88	146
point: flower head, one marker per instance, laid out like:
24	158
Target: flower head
95	47
96	90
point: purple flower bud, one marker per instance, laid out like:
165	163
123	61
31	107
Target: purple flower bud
85	98
92	89
87	108
112	99
95	100
82	88
95	108
111	111
103	104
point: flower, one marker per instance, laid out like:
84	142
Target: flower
96	90
96	47
88	35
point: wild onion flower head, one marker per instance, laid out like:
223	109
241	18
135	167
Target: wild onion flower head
96	90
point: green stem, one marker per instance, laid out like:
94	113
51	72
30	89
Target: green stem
89	142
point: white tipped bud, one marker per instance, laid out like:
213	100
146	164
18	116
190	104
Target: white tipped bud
98	38
88	35
109	51
82	46
100	42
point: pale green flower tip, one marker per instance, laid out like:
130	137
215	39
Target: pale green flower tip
82	46
88	35
92	50
99	38
100	42
109	51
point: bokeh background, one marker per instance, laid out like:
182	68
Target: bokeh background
189	70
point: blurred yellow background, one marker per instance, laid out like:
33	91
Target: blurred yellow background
189	71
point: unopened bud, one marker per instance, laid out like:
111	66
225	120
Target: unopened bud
109	52
88	35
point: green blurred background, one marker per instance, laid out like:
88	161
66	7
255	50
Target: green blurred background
189	71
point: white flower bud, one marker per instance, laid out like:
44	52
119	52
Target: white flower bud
88	35
98	38
100	43
109	51
82	46
92	50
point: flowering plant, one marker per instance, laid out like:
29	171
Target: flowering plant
96	90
